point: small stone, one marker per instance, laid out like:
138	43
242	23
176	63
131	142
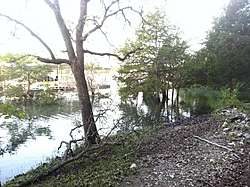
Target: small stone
246	125
231	144
239	134
133	166
226	129
171	175
236	117
246	136
224	124
212	161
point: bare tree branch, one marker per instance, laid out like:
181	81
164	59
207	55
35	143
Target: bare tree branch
106	16
52	61
114	55
51	5
64	30
32	33
218	145
105	35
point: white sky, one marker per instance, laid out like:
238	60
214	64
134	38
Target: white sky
194	17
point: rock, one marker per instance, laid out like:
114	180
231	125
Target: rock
226	129
225	111
133	166
212	161
246	136
224	124
171	175
239	134
236	117
231	144
246	125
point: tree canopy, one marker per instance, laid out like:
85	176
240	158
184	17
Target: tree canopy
151	69
225	60
18	72
76	48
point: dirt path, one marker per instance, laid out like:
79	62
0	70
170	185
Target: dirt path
174	157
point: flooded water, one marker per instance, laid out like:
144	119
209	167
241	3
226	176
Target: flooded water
25	144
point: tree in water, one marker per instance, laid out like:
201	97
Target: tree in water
76	50
152	69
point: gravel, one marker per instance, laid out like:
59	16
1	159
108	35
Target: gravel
172	156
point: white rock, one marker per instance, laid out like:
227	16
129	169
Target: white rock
224	124
226	129
171	175
133	166
212	161
231	144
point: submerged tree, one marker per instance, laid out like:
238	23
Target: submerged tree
76	50
152	69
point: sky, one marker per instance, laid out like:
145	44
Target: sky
194	17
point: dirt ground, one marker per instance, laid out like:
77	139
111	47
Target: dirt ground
191	153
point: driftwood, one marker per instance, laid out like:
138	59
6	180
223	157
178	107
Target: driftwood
217	145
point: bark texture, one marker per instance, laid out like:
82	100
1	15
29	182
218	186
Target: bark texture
76	62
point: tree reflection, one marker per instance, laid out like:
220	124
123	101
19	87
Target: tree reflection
188	103
18	132
147	113
198	101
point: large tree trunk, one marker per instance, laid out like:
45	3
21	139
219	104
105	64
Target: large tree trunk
90	130
76	53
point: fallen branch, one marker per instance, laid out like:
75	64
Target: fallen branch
85	153
63	163
218	145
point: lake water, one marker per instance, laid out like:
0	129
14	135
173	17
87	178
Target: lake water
34	140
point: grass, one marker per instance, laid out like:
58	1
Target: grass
105	166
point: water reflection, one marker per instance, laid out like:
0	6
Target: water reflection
65	108
18	132
198	101
25	143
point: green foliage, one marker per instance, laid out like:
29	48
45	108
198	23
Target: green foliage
13	93
9	111
158	62
16	58
228	46
194	71
224	61
229	99
18	73
105	166
199	100
47	97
